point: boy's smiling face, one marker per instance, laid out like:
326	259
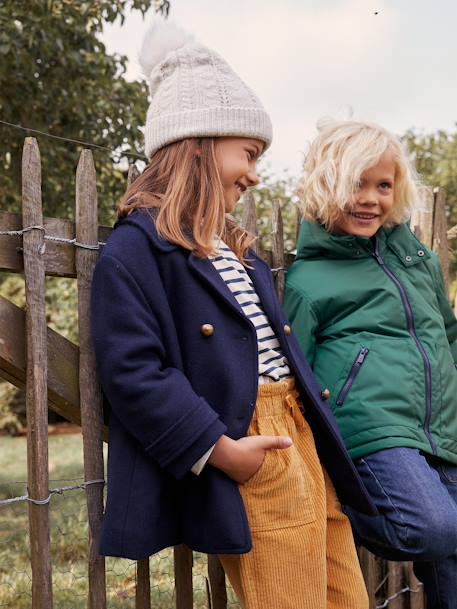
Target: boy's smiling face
373	201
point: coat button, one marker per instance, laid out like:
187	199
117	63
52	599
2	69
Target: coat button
207	330
325	394
408	258
287	330
421	253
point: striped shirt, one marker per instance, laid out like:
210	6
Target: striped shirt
273	365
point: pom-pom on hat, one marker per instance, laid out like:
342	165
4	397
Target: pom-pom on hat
194	92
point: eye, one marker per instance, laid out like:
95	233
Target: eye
251	154
386	186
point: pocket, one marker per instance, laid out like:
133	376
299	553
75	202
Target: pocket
448	472
355	369
281	492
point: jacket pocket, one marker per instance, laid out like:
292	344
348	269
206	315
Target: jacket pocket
355	369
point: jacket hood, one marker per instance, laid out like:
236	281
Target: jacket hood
315	242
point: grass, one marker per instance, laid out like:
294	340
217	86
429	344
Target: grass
69	539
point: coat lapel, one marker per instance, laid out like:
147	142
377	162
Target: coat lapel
262	279
204	268
260	276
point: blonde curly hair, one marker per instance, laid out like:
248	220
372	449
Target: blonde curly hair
335	162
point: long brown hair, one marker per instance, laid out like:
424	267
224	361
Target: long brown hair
182	180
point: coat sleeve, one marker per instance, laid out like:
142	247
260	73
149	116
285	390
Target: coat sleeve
304	320
450	321
153	400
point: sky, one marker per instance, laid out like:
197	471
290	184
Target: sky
388	61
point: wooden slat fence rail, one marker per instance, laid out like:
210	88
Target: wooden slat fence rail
59	375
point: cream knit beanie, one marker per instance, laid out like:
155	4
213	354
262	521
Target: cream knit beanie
195	93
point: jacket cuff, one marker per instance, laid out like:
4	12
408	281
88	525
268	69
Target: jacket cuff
182	449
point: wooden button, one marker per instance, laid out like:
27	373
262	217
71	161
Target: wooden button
207	330
325	394
287	330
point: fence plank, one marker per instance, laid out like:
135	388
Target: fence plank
63	356
395	584
249	219
63	395
143	585
422	220
369	569
89	388
299	219
416	595
440	242
277	247
36	387
183	561
59	258
216	577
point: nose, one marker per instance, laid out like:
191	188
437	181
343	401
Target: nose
366	196
252	177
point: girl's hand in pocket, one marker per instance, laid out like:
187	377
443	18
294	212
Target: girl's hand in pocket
240	459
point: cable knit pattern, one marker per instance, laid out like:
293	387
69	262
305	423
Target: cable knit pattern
195	93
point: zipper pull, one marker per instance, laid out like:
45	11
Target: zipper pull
376	253
362	355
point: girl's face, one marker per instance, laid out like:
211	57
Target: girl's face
373	201
236	159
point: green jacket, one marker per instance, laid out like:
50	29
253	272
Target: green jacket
373	319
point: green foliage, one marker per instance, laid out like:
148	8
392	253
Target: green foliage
435	155
56	77
281	190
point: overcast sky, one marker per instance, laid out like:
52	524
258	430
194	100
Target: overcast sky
391	61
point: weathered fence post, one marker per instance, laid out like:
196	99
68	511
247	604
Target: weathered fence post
395	584
143	585
183	561
416	594
216	576
277	249
369	565
36	378
439	241
422	220
89	389
249	220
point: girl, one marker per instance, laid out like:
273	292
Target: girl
369	307
208	443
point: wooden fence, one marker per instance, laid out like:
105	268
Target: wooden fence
58	375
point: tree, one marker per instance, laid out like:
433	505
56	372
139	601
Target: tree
435	155
56	77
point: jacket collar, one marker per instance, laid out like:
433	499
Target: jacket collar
144	219
315	242
260	274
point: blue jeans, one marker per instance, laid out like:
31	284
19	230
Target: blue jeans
416	495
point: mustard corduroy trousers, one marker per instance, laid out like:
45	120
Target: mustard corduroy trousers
303	554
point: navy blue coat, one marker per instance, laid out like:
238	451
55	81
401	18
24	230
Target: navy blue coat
172	392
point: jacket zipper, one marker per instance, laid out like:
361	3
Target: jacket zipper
412	330
352	376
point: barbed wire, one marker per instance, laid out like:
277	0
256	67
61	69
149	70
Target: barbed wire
387	602
20	232
54	491
119	153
